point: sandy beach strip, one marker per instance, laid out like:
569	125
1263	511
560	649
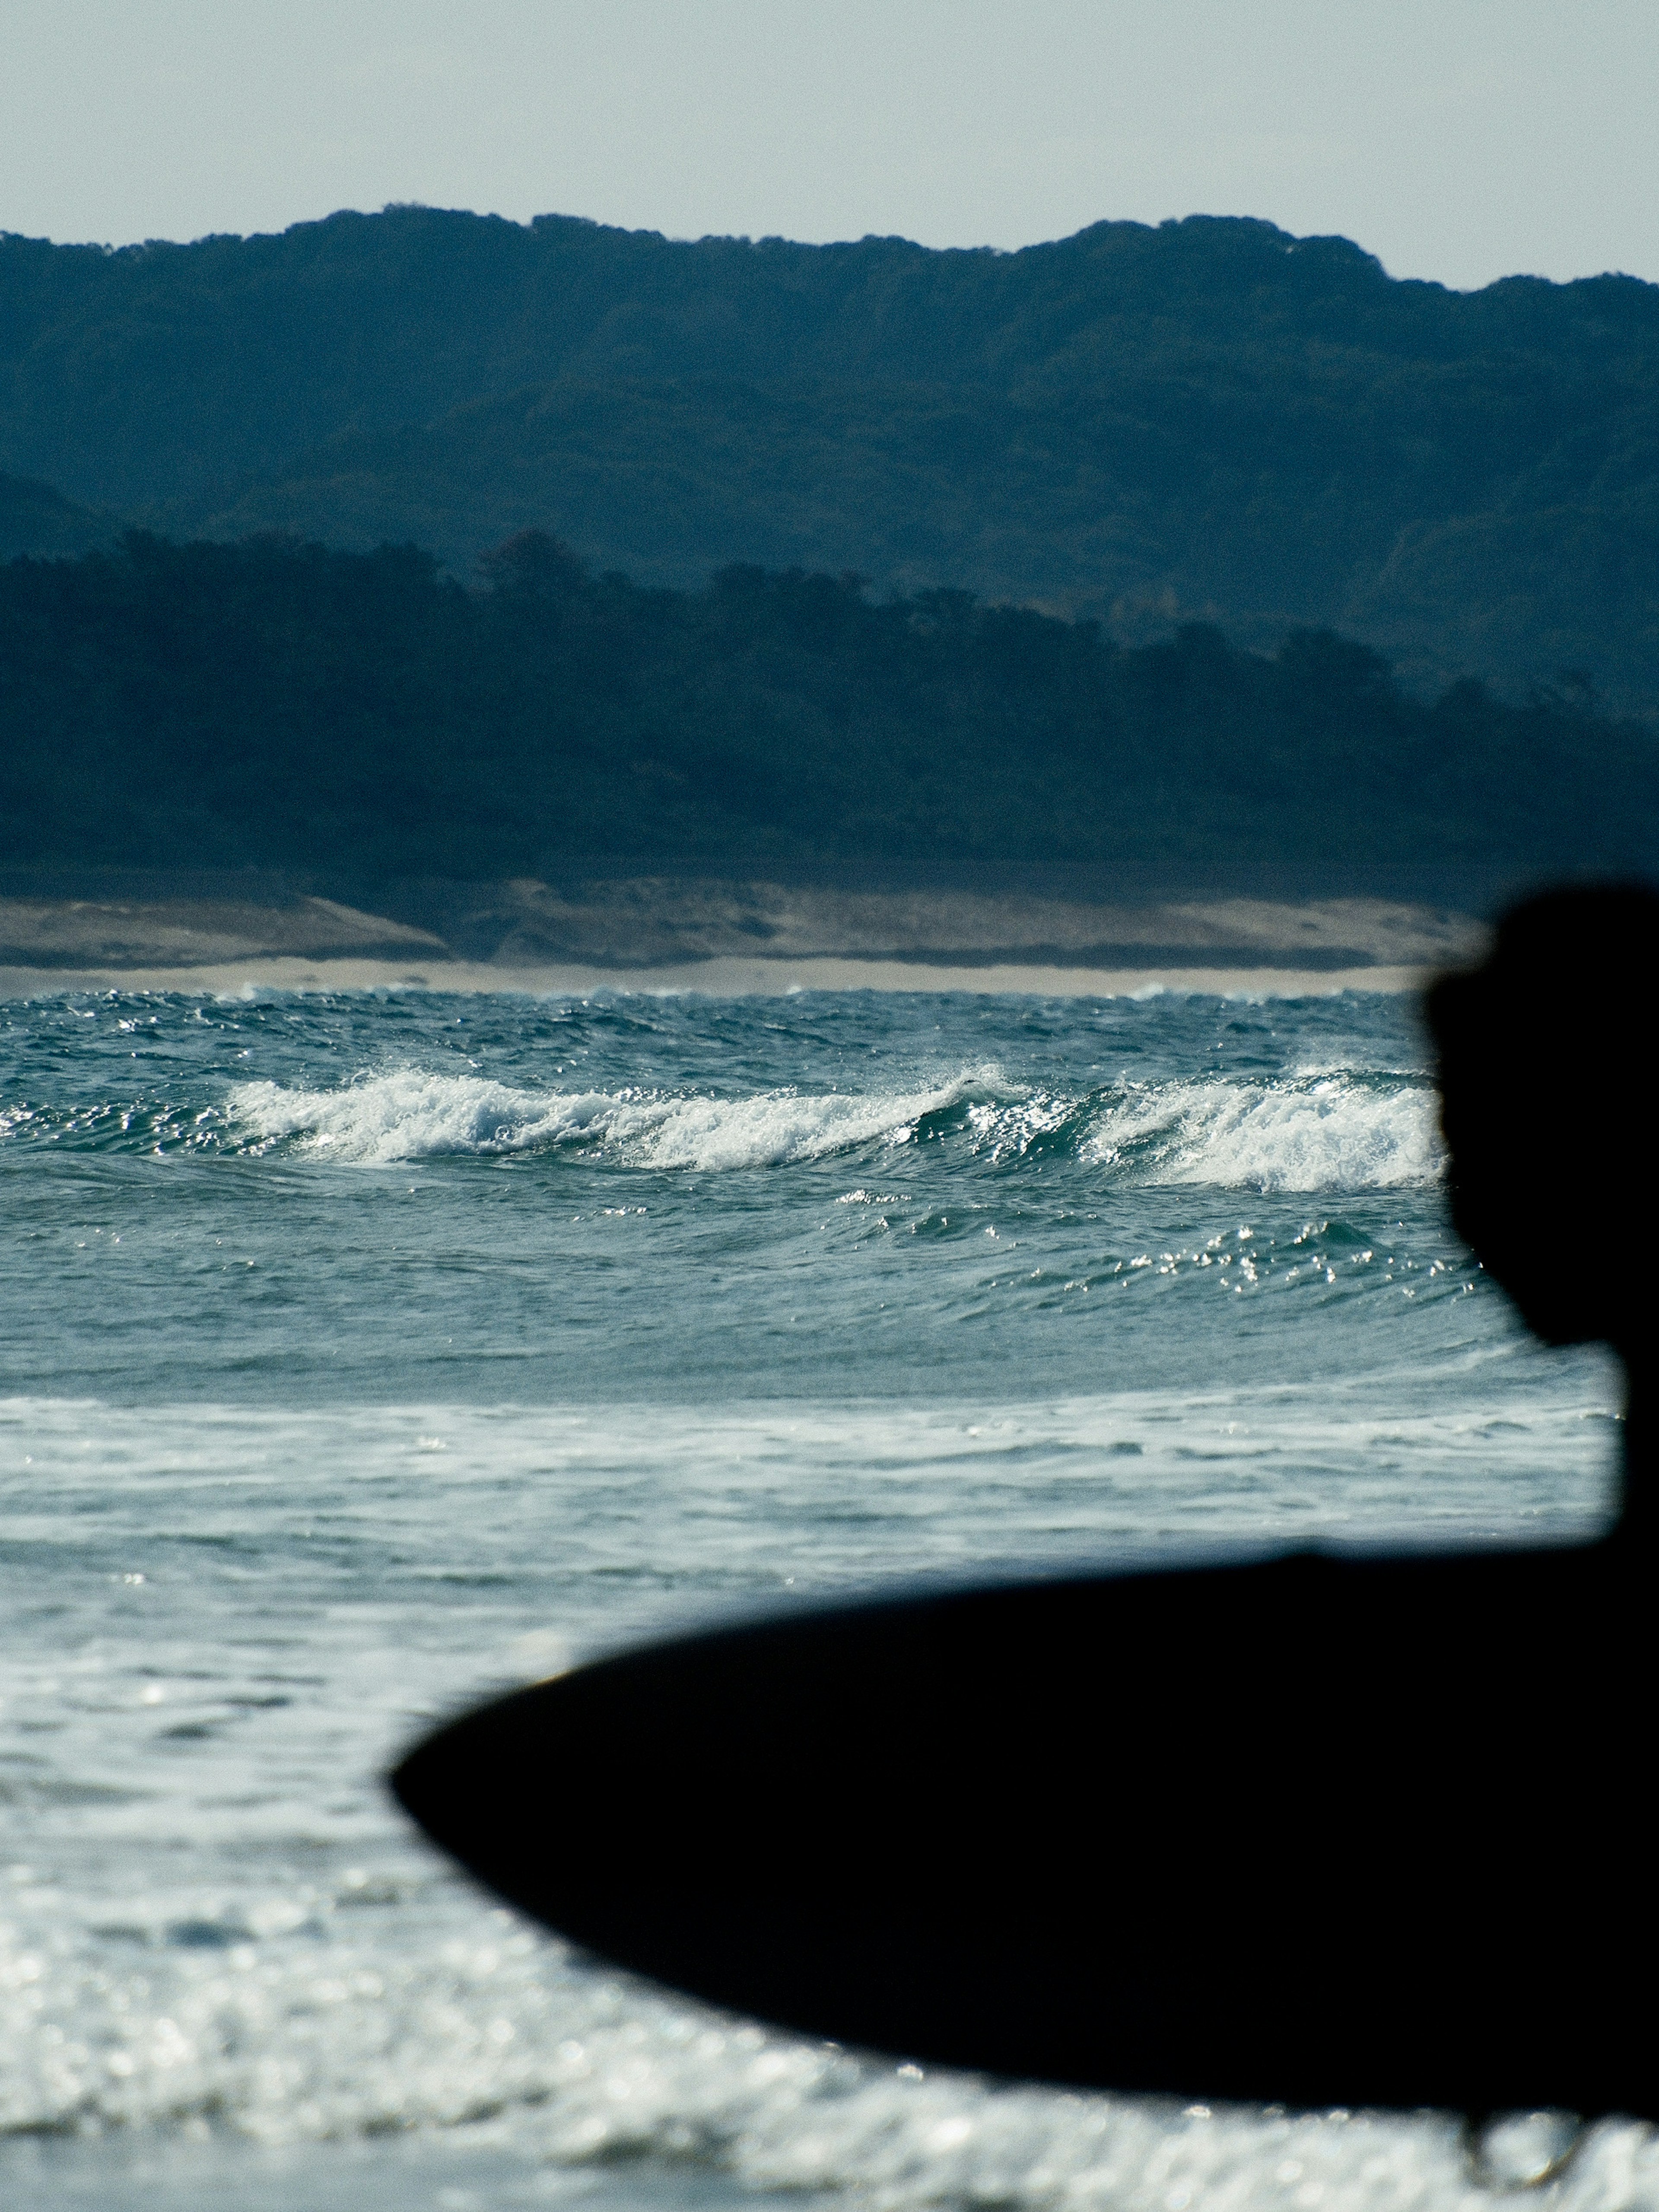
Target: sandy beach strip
713	978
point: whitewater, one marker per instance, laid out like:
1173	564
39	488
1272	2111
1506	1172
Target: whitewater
367	1351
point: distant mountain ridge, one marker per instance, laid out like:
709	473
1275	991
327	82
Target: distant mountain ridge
1208	418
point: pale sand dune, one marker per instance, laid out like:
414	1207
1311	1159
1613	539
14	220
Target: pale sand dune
653	922
183	933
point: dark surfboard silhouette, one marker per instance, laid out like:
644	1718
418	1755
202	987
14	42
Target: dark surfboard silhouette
1329	1829
1312	1831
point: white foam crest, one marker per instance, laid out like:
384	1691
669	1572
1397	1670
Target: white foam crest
1317	1132
410	1114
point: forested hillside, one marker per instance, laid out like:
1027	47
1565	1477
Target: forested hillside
1206	420
357	717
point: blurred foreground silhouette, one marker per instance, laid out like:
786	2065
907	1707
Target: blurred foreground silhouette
1547	1179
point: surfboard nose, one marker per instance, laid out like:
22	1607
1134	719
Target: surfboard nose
486	1788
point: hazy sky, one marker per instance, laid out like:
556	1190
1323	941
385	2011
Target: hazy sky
1460	139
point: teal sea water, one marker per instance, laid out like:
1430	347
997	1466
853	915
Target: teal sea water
365	1353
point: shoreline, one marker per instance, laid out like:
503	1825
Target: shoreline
717	938
725	976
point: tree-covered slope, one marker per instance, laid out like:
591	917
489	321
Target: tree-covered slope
355	718
1207	418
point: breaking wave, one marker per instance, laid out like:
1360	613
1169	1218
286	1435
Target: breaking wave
1327	1130
411	1115
1338	1131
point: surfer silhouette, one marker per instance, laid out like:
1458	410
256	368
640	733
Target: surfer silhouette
1330	1827
1559	1223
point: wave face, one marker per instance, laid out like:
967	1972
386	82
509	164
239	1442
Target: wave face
1338	1131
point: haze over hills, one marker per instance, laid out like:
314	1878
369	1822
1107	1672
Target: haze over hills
1207	419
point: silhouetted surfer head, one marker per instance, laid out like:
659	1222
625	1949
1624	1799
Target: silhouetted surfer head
1540	1190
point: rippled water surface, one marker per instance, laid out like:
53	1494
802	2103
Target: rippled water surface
364	1353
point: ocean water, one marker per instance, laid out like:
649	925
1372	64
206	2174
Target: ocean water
366	1354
